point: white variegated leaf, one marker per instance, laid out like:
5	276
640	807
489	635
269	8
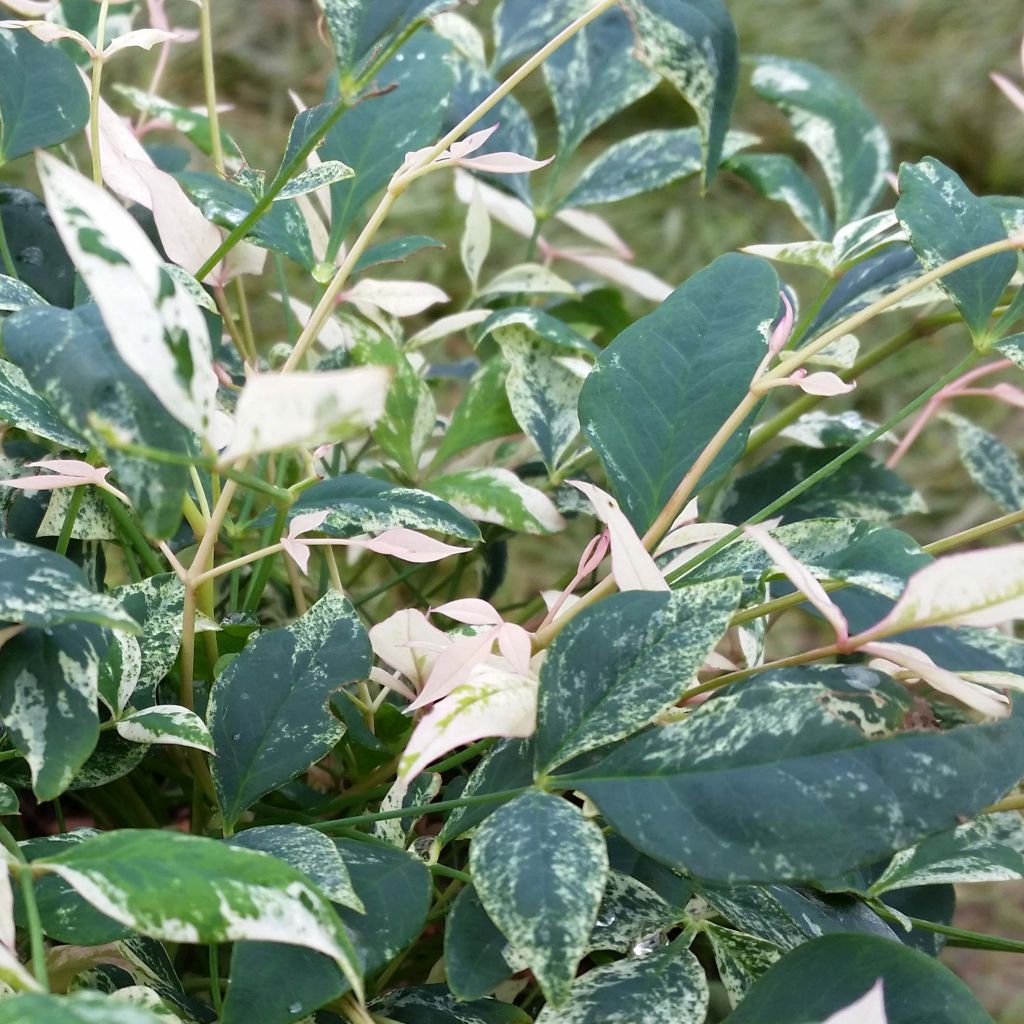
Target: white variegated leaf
499	496
166	724
529	279
15	295
476	238
324	174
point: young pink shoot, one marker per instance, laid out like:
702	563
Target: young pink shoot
1009	89
784	329
593	555
66	473
410	644
822	383
458	155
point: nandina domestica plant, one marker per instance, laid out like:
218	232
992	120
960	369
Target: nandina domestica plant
285	735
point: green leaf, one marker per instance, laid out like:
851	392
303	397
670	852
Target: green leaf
221	893
70	360
156	327
543	325
10	802
268	712
832	122
362	504
42	99
308	851
39	255
630	912
1012	348
323	175
434	1004
166	723
374	136
917	988
48	686
483	414
524	26
540	868
21	406
398	250
741	959
15	295
692	44
620	664
593	77
473	949
275	984
790	750
666	385
499	496
77	1008
990	849
779	177
670	986
994	467
943	220
820	429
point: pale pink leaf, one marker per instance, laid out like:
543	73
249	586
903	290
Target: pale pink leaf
306	522
399	298
823	383
869	1009
801	578
470	611
505	209
503	163
471	143
1009	393
693	533
516	647
48	32
1010	90
642	282
391	682
410	643
298	551
489	703
454	664
784	329
32	8
410	546
632	565
142	39
597	229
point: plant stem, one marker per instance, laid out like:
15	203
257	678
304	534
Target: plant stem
210	88
215	993
958	540
447	872
35	926
956	936
188	639
5	253
68	527
126	522
94	99
1010	803
735	677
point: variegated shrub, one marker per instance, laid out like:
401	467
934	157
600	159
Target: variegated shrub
381	649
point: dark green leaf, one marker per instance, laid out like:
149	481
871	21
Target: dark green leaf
741	959
523	26
473	949
39	255
779	177
268	711
666	385
22	407
77	1008
540	869
396	251
616	667
434	1004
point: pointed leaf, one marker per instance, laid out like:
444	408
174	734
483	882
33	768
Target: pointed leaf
499	496
166	723
779	177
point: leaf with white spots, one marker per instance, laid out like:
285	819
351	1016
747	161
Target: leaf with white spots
325	174
268	711
476	237
529	279
618	665
796	747
819	429
76	1008
741	959
221	893
435	1003
156	327
15	295
944	219
423	789
523	26
833	123
499	496
540	868
779	177
278	411
558	334
21	406
94	520
991	464
167	724
120	672
630	911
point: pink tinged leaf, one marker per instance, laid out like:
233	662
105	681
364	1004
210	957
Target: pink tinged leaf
503	163
597	229
471	143
593	555
869	1009
143	39
399	298
470	611
632	565
410	546
694	533
784	330
66	473
391	682
454	664
1010	394
1009	89
490	703
642	282
505	209
47	32
516	647
802	579
919	664
298	551
31	8
410	643
306	523
823	383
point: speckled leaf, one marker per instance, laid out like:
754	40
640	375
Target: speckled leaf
990	463
499	496
944	219
666	385
529	278
795	748
617	666
362	504
544	325
820	429
594	76
741	959
41	588
917	988
167	724
542	392
524	26
540	869
93	520
435	1004
833	123
308	851
48	680
156	327
42	99
692	44
70	360
15	295
629	912
990	849
220	893
268	712
374	136
418	793
76	1008
22	407
1012	348
119	672
779	177
473	949
323	175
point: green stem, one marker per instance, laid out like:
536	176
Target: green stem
447	872
956	936
94	100
958	540
215	993
260	578
77	497
210	88
35	926
5	253
126	523
386	586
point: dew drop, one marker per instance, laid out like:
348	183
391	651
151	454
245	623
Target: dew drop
295	1008
648	944
605	920
32	255
235	737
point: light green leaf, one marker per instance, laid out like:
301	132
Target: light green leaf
529	279
499	496
268	711
308	851
666	385
616	667
21	406
796	747
362	504
42	99
154	324
93	521
779	177
944	219
15	294
48	688
991	464
323	175
9	800
77	1008
540	868
221	893
671	987
476	238
741	959
820	429
833	123
630	911
166	723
